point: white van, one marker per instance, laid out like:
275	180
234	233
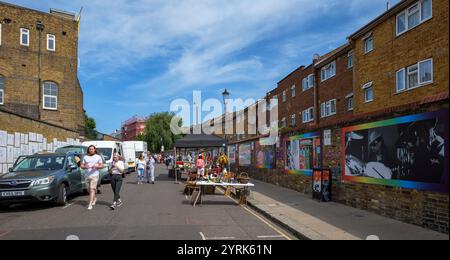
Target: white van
132	150
107	149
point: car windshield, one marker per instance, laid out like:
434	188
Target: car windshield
106	152
71	149
44	163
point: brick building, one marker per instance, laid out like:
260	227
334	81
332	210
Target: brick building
39	53
132	128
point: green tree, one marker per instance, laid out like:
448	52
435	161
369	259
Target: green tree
90	125
158	132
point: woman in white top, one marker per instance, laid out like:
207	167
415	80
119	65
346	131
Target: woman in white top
91	163
151	169
140	168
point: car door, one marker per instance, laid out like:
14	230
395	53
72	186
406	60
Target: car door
74	174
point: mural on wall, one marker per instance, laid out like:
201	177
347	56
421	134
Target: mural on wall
265	155
13	145
245	154
409	152
303	153
232	154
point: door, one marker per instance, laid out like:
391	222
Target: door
74	174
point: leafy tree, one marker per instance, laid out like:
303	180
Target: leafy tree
158	132
90	125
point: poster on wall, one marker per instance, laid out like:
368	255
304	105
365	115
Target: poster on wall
327	137
9	154
232	154
17	140
3	138
10	139
265	155
3	155
409	152
303	153
245	154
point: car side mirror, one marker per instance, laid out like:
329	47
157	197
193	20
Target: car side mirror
72	167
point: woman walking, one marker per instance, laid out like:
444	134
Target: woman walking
140	169
150	169
91	163
200	167
116	170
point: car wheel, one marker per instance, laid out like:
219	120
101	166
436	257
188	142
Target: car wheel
61	200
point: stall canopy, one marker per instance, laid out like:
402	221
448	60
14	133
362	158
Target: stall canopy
200	141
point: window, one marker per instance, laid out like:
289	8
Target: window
293	90
350	102
0	34
293	123
308	82
24	37
368	92
308	115
50	96
350	60
328	71
328	108
415	76
414	15
284	96
51	42
2	90
401	83
368	43
283	122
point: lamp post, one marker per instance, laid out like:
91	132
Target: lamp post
225	96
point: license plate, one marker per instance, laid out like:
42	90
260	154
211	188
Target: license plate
13	193
130	163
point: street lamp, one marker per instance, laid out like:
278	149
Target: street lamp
225	95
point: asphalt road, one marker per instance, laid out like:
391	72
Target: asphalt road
150	212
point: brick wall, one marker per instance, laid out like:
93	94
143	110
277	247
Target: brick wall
19	66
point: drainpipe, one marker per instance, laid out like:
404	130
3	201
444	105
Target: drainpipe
40	27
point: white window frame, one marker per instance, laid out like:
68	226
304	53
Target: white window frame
49	36
308	82
326	108
367	37
293	120
2	90
350	100
293	91
24	31
350	58
406	73
406	14
365	87
308	115
283	122
329	67
51	96
284	96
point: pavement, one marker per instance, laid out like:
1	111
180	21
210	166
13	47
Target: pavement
150	212
309	219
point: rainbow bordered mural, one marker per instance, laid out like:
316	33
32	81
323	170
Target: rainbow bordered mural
302	153
409	152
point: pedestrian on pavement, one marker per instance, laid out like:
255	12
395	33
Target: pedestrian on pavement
91	163
200	167
150	169
140	168
116	170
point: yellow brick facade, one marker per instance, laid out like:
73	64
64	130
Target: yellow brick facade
392	53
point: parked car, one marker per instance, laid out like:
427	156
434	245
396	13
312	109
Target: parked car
42	177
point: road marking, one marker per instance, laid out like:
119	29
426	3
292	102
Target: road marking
72	237
373	237
220	238
261	219
203	236
273	236
68	205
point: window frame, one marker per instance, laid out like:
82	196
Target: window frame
368	85
54	42
309	114
283	122
323	71
293	90
1	30
24	31
326	108
419	70
293	120
350	58
406	13
365	39
308	82
284	99
403	72
350	100
49	96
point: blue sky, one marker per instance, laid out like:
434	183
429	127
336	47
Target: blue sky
137	56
